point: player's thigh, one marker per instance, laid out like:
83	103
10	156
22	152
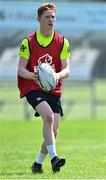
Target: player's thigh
45	111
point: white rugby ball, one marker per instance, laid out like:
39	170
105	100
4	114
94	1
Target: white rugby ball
46	77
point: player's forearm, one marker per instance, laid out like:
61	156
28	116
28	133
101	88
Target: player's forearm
22	72
63	73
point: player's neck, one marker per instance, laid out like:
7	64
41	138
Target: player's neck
47	32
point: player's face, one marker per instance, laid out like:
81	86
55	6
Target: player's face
47	19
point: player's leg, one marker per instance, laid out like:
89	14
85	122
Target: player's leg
37	99
48	118
43	151
56	123
55	130
57	162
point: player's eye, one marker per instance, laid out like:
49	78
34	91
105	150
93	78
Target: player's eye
48	17
53	17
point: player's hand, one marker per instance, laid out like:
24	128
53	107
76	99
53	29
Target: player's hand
36	75
57	77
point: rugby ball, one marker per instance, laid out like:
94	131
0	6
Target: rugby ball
46	77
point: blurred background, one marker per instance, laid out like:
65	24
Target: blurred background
84	24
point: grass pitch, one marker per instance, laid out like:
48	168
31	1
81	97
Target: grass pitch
82	143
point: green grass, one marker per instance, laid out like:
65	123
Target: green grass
82	143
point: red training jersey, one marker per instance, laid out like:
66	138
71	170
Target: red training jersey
39	54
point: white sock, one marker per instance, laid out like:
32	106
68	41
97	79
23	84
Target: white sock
52	151
40	157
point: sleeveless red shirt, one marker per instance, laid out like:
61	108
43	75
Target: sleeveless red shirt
39	54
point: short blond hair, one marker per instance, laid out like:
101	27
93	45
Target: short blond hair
44	7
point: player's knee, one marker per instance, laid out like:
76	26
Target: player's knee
50	118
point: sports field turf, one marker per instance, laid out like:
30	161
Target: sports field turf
82	143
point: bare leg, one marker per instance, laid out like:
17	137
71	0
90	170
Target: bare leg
55	130
48	119
43	152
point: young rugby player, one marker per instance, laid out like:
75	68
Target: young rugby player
44	45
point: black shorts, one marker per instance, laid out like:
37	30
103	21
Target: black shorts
35	97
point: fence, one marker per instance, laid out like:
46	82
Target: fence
88	99
81	100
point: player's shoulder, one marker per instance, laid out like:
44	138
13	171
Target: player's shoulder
31	36
66	41
28	39
57	34
25	41
24	45
24	49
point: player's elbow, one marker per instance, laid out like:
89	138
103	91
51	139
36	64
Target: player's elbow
20	72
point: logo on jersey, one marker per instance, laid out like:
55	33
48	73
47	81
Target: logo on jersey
45	59
68	49
23	47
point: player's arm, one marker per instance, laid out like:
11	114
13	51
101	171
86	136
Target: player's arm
24	56
23	72
65	61
65	69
